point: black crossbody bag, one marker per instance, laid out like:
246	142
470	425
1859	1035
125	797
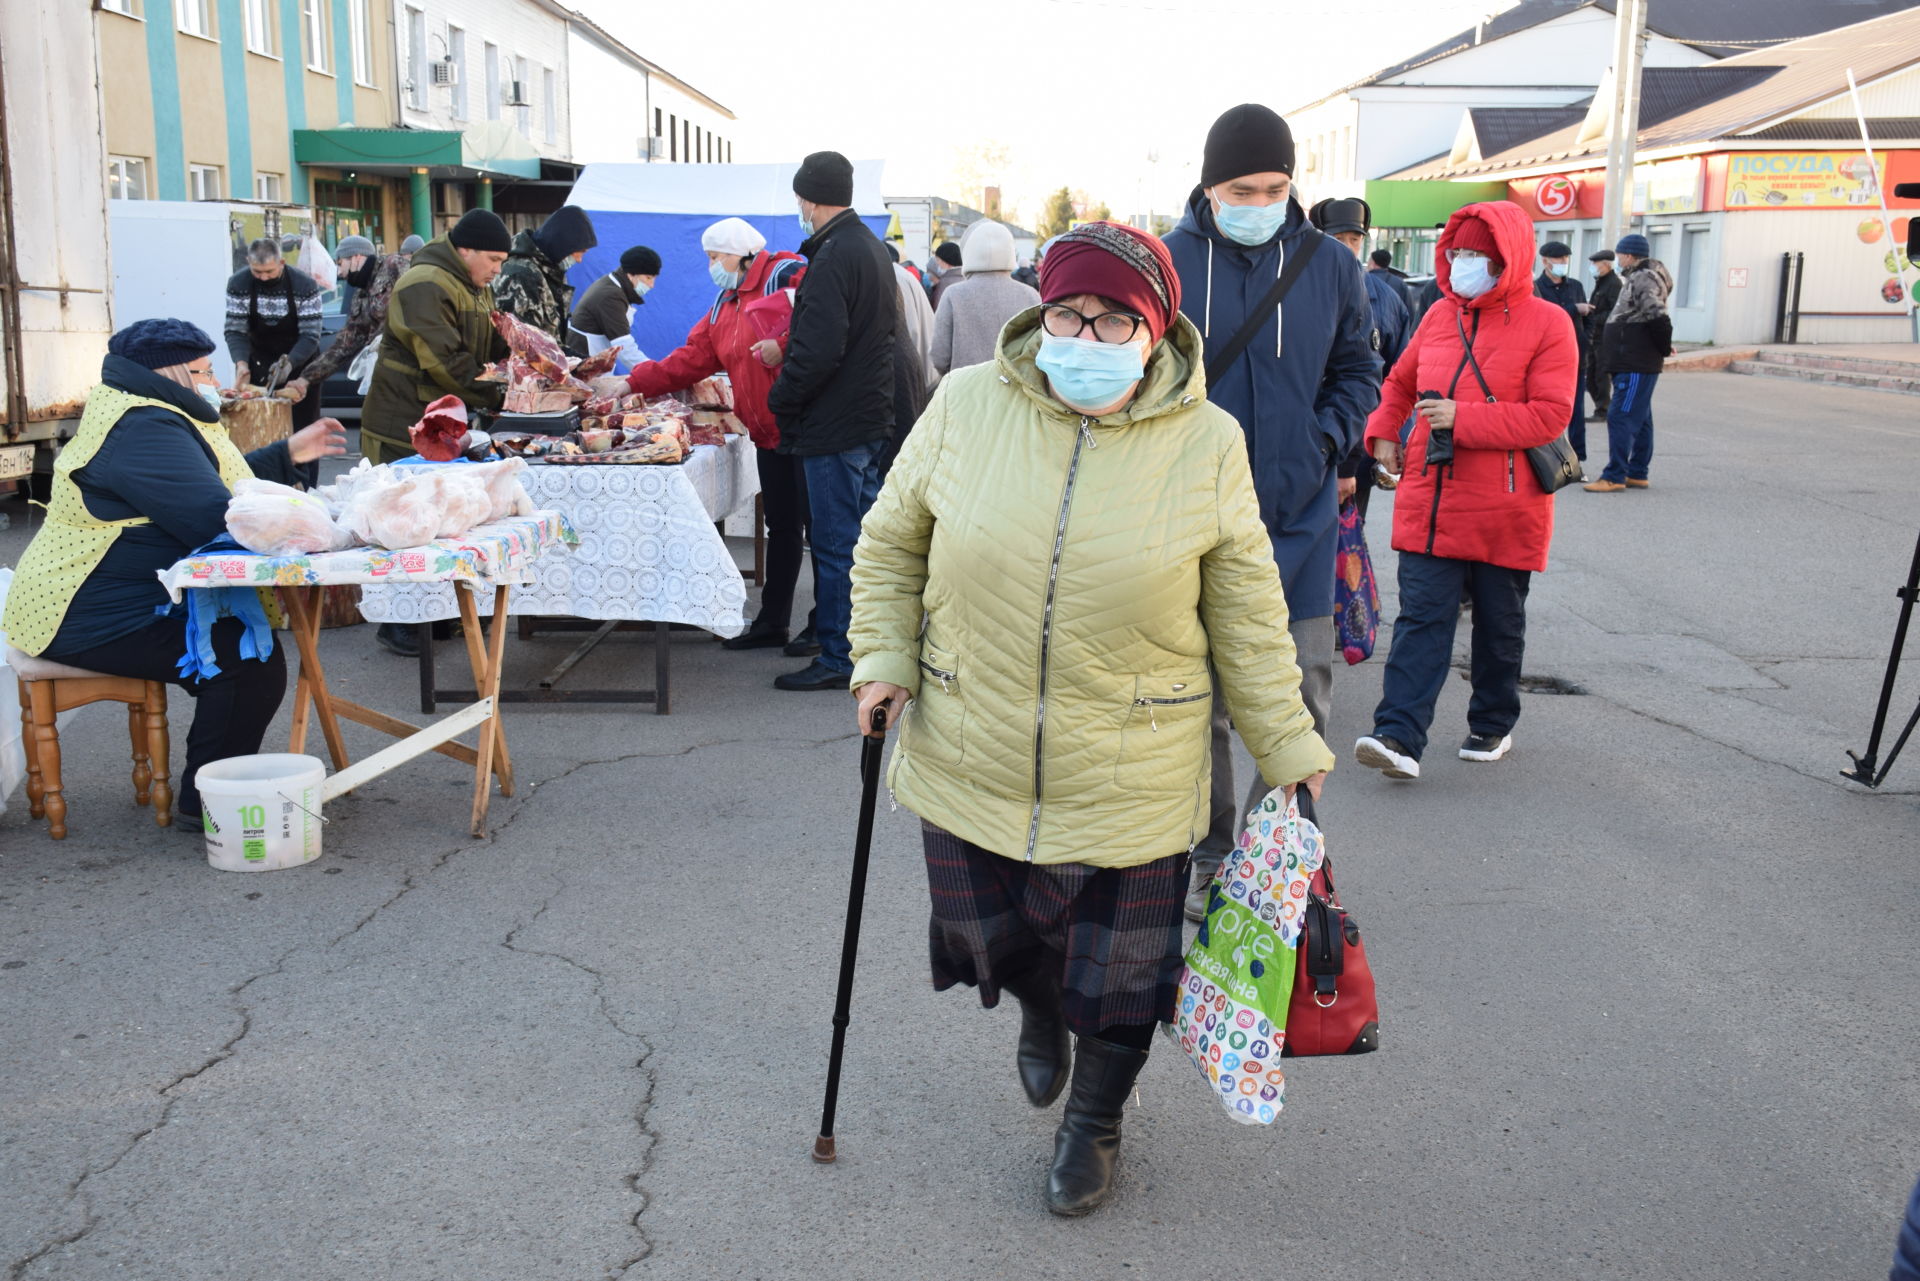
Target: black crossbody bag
1554	464
1258	316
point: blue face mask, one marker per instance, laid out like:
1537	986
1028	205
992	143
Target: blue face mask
1250	224
641	287
1472	277
1557	268
1090	375
728	279
806	223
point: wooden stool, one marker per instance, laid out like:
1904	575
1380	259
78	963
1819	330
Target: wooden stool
49	688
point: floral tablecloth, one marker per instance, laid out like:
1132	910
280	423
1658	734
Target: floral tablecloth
501	552
648	547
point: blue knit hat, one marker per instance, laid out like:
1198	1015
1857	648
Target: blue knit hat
1634	243
158	344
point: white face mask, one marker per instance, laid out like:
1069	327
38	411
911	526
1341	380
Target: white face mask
1472	277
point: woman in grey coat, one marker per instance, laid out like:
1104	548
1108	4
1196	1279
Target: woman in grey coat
966	324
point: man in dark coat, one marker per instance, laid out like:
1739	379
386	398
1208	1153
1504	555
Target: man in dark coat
1380	263
1634	347
1301	388
533	283
274	310
834	398
604	317
1606	288
1558	285
1349	221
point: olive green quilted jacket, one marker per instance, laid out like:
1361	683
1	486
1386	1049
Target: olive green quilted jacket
1057	592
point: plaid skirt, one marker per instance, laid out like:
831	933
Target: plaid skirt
1112	933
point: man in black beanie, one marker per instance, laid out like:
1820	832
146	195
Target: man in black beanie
604	317
834	397
1302	383
533	285
1558	284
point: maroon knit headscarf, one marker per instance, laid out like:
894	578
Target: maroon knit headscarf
1118	262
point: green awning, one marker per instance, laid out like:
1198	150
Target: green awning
1422	204
493	148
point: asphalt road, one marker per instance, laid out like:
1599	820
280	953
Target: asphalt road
1648	986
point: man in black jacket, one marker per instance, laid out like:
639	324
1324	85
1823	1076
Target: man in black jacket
834	397
603	316
1557	285
1634	345
1606	288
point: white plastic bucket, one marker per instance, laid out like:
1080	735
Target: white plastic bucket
262	812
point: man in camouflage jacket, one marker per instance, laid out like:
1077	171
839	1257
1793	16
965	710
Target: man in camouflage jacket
373	284
533	285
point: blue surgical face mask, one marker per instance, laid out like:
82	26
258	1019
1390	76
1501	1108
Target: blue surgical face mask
1250	224
211	395
806	223
1090	375
1557	268
641	287
1472	277
728	279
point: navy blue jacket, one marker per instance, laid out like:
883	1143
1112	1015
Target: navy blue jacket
1303	409
1392	326
1567	294
153	463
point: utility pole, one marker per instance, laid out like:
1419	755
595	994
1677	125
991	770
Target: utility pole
1629	47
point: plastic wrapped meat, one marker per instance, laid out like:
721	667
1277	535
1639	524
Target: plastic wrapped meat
276	520
506	496
441	432
396	512
591	367
537	348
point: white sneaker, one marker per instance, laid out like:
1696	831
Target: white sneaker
1485	747
1387	756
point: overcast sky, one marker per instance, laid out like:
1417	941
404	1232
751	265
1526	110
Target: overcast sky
1078	93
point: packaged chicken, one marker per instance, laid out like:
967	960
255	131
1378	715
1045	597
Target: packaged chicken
277	520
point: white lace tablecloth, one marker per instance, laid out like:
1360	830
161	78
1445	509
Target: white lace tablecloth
648	547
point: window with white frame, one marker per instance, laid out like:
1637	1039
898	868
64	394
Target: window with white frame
266	186
493	83
195	17
126	178
457	55
551	104
360	21
203	182
416	59
313	16
259	21
129	7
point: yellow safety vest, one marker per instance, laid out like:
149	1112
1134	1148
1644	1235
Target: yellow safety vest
73	542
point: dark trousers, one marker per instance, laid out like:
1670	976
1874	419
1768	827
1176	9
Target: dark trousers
1630	427
783	495
231	711
840	488
1430	592
1577	426
1599	386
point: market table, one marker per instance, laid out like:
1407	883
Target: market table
497	555
649	552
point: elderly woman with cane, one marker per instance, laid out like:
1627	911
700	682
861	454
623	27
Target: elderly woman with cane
1065	555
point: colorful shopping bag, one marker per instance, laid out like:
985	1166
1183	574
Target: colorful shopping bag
1238	978
1356	597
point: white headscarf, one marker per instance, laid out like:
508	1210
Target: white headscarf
732	236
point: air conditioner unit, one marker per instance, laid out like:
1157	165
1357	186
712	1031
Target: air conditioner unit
517	94
446	72
657	147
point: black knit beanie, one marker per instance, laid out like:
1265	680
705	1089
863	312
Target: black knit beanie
566	232
948	252
640	261
1248	139
480	229
825	178
161	344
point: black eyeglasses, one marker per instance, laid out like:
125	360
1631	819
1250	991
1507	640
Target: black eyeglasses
1063	321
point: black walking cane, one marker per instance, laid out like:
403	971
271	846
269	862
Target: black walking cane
870	748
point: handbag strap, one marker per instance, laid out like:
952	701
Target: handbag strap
1295	264
1471	359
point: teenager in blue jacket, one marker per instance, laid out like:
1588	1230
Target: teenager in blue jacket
1301	388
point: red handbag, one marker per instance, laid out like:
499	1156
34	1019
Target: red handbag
1333	1010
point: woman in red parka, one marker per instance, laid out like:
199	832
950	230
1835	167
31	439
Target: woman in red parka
1478	525
744	334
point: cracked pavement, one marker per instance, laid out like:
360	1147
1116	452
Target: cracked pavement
1647	986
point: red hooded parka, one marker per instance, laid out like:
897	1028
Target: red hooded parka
1486	506
723	339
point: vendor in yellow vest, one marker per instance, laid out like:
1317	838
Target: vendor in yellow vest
143	482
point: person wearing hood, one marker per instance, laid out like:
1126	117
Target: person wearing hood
967	324
533	283
1558	284
752	283
1489	375
1634	344
373	279
1301	387
604	317
145	481
1068	556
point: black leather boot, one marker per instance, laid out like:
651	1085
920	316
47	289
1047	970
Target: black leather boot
1045	1048
1087	1145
